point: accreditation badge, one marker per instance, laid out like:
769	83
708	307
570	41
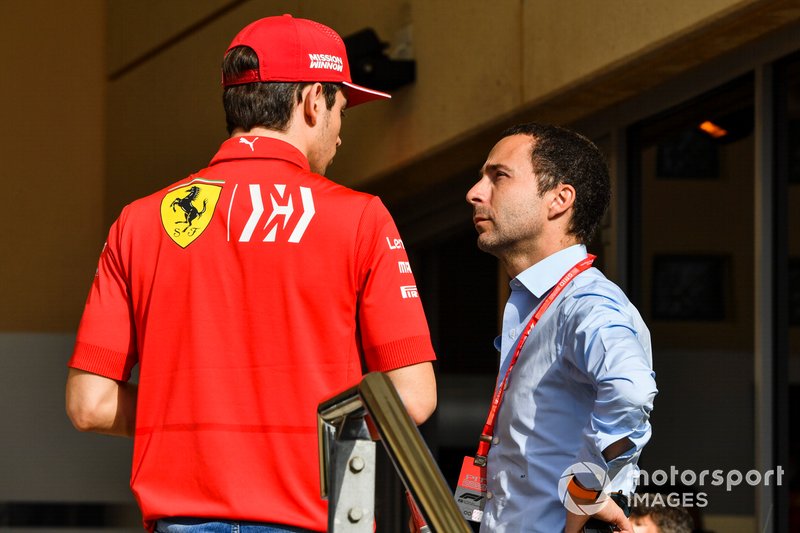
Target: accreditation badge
470	493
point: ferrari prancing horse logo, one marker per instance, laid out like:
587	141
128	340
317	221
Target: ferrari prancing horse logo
187	209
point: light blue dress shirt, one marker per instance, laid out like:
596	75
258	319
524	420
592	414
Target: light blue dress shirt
583	381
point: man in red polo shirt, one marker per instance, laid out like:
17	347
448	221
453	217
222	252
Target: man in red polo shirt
247	293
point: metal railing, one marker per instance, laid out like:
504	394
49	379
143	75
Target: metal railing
347	459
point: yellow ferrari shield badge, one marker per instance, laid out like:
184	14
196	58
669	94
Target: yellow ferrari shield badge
187	209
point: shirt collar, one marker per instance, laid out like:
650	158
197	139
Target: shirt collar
543	276
255	147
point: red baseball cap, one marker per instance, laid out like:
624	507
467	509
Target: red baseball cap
291	50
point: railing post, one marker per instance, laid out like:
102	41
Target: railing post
351	478
347	459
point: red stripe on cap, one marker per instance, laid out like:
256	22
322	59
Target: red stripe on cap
248	76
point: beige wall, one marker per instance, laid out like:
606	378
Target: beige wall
166	117
53	93
478	63
564	42
155	77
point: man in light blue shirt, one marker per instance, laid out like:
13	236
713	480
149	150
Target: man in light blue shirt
575	412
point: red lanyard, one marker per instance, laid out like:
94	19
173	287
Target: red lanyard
488	428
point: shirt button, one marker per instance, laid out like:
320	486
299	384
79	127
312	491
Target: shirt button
496	440
489	495
512	333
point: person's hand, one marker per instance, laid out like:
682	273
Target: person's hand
610	512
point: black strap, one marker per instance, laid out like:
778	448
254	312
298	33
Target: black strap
598	526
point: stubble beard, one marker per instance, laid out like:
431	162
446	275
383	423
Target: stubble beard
495	242
487	244
501	244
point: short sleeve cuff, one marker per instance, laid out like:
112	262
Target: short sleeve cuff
102	361
590	469
619	474
399	353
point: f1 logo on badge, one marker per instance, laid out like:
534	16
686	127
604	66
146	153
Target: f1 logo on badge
282	208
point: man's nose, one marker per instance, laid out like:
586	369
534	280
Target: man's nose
477	193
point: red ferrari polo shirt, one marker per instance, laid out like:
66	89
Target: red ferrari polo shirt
247	293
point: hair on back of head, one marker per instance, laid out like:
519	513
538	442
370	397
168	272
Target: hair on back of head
264	104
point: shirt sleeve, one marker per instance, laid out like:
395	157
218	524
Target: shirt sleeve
392	325
611	349
106	340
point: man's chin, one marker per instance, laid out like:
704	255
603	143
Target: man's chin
486	244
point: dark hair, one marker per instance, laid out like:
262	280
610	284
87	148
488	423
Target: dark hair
668	519
265	104
558	156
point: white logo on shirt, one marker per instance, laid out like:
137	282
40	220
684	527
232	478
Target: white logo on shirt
242	140
409	291
404	266
396	244
281	212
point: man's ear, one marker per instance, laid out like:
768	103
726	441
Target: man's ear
563	199
312	98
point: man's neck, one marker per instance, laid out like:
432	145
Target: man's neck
518	260
287	136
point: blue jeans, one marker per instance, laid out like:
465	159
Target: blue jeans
205	525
